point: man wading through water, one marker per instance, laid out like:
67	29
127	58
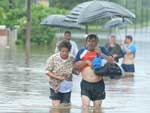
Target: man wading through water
92	86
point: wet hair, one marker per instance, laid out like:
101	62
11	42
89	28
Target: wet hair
64	44
112	36
129	37
67	32
92	36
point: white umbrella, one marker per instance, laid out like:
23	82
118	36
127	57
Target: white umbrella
93	10
58	21
117	22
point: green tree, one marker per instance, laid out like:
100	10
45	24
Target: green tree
16	18
2	14
67	4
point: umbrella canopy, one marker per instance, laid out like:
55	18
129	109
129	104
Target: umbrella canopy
58	21
117	22
93	10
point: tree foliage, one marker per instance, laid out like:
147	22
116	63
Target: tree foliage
67	4
16	18
13	14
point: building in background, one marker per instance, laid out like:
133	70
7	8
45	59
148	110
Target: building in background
4	34
42	2
8	36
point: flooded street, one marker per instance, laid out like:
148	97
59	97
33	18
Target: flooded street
26	90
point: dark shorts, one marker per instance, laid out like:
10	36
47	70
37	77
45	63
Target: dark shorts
128	68
63	97
95	91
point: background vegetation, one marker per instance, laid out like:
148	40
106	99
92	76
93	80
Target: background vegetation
13	15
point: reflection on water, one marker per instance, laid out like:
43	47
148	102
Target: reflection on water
25	89
74	109
54	110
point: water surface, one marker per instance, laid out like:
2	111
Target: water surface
25	89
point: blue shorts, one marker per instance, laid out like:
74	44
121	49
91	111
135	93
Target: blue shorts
94	91
128	67
63	97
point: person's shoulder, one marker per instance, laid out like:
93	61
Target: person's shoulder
117	44
58	42
102	47
133	45
107	45
54	55
80	53
72	42
82	49
71	57
51	57
104	50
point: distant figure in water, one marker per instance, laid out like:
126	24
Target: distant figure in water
114	48
74	47
129	51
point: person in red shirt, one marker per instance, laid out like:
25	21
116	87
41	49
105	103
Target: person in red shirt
92	86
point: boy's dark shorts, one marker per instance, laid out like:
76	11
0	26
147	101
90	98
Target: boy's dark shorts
63	97
128	68
95	91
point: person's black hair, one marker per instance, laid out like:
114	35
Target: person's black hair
129	37
67	32
92	36
64	44
113	36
